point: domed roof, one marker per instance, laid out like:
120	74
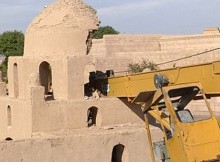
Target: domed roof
62	28
62	14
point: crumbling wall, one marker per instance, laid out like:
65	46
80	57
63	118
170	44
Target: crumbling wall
81	145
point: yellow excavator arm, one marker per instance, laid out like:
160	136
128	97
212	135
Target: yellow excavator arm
131	85
166	96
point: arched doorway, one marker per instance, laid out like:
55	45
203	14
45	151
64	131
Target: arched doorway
91	116
45	72
117	153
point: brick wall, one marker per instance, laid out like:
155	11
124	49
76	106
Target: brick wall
117	51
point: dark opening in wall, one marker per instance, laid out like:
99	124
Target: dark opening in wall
91	116
97	85
9	116
8	139
117	153
89	42
45	72
15	76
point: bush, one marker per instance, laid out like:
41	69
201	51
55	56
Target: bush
140	67
3	69
11	44
104	30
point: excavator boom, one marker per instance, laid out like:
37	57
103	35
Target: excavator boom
168	96
131	85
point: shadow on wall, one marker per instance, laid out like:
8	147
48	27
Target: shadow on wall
152	121
138	111
135	108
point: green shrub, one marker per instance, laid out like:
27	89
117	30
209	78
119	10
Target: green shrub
141	66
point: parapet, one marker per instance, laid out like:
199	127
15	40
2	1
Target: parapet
61	29
214	30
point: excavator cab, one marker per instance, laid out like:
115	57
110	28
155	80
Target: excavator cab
190	129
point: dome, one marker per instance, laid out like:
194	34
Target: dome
61	29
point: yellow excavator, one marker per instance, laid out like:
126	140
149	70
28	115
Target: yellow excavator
178	99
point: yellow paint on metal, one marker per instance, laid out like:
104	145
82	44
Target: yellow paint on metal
191	142
130	86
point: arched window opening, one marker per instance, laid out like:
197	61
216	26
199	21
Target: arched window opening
45	72
91	116
9	116
117	153
15	76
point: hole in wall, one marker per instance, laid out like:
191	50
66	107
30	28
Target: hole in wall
117	153
45	72
8	139
89	42
97	81
91	116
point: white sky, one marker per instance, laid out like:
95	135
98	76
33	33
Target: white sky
127	16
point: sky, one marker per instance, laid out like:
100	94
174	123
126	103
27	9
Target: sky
126	16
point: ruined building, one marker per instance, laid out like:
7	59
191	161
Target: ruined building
44	112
